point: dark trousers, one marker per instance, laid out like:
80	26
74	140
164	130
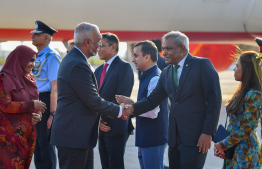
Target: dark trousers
90	159
112	150
44	155
185	157
74	158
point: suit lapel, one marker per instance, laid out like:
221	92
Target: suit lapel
186	68
111	67
99	71
83	58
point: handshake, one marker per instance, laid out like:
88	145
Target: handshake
125	103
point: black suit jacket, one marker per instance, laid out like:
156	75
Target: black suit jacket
195	107
119	80
75	123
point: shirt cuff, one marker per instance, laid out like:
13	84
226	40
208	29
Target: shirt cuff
120	112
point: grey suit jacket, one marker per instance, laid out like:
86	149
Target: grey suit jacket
195	106
75	123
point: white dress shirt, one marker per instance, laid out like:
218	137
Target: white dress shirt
109	62
179	70
120	110
151	86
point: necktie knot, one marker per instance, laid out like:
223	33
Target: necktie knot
176	67
105	66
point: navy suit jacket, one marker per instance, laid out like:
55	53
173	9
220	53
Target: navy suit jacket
119	80
195	107
75	123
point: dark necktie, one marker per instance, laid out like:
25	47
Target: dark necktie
103	74
175	75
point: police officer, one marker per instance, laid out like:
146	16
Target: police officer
45	72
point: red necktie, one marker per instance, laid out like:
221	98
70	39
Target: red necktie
103	74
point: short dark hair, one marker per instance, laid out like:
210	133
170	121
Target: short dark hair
111	39
148	47
158	44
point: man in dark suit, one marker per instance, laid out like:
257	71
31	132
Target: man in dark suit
192	85
75	125
118	80
90	156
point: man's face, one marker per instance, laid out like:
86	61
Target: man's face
171	51
39	39
139	59
105	50
95	42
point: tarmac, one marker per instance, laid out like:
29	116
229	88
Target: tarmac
228	86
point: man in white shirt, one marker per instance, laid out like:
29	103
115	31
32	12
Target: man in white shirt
152	126
114	77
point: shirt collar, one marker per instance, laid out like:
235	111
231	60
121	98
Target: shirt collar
111	60
83	54
181	63
43	51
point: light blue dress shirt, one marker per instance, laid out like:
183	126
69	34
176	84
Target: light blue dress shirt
46	69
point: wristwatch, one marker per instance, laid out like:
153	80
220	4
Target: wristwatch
52	113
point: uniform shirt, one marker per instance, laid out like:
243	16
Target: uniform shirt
49	69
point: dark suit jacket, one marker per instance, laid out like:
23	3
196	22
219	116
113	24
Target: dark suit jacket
195	107
119	80
75	123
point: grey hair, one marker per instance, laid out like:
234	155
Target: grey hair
179	37
84	31
50	38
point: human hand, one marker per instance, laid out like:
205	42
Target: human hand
204	142
123	99
127	110
39	106
103	126
36	117
218	151
49	121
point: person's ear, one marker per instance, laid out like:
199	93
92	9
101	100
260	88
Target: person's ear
113	47
88	42
183	48
148	57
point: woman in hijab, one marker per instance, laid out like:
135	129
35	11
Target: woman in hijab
20	109
244	112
